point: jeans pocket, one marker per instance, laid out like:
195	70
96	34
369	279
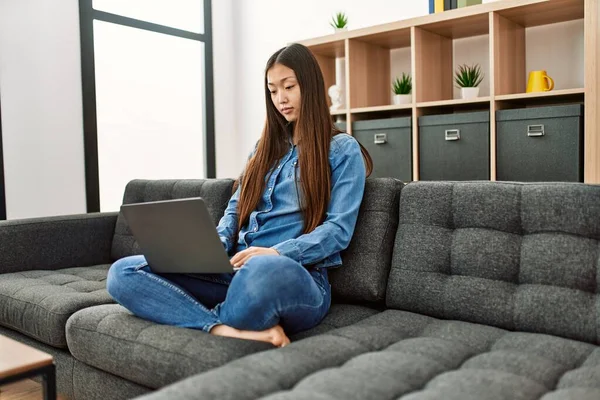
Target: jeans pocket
321	281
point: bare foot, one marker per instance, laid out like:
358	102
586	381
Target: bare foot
274	335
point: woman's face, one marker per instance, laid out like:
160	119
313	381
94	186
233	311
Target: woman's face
285	91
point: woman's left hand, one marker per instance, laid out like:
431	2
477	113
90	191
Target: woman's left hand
243	256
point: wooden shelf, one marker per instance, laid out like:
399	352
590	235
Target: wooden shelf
330	46
453	102
368	74
339	112
472	25
431	46
545	13
536	95
524	12
381	108
554	97
395	39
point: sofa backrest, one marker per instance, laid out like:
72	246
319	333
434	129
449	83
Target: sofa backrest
517	256
366	261
216	193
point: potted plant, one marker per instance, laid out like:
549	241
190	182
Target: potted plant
402	88
339	22
468	78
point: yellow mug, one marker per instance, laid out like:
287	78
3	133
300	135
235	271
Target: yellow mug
539	81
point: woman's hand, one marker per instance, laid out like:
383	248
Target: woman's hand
243	256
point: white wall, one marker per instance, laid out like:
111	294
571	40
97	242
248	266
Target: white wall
40	85
226	75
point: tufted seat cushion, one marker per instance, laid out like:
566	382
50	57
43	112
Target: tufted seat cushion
38	303
402	355
109	337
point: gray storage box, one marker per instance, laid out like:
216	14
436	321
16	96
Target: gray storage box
540	144
455	146
389	142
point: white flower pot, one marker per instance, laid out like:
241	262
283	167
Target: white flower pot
402	99
469	92
341	29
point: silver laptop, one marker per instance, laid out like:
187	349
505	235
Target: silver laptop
177	236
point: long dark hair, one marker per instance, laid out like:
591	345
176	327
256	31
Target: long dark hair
314	129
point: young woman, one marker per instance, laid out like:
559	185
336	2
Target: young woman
293	211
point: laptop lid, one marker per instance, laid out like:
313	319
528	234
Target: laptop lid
177	236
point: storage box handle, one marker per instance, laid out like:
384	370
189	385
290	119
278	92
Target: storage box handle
535	130
452	134
380	138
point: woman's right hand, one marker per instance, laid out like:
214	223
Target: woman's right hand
243	256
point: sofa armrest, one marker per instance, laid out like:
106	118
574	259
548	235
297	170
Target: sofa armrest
56	242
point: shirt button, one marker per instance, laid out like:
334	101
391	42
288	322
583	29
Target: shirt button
255	228
270	189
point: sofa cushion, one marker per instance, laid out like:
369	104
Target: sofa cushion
109	337
216	193
517	256
38	303
339	315
366	261
397	354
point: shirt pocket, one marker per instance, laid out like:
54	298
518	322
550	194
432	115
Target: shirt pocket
294	171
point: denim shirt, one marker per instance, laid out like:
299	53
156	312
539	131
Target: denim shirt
277	222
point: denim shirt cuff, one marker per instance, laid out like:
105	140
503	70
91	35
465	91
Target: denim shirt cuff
289	249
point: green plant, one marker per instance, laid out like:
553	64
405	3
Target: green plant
339	20
402	86
468	75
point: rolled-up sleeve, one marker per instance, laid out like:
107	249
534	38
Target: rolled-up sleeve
228	224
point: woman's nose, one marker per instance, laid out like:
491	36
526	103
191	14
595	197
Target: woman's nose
282	98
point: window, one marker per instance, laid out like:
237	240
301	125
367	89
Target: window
148	94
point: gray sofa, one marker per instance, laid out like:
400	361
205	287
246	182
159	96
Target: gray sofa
449	290
53	296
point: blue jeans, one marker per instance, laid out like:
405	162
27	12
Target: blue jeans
267	291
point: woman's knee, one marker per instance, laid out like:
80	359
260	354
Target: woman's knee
266	286
120	271
272	275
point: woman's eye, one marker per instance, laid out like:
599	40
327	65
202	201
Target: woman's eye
289	87
272	91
